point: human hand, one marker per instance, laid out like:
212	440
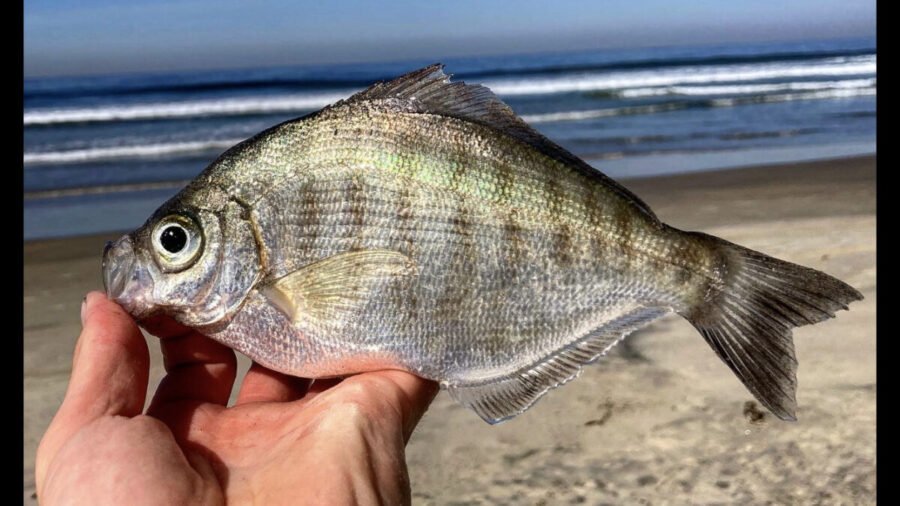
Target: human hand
284	441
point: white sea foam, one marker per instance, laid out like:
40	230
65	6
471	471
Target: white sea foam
674	106
184	148
622	82
745	89
120	152
787	97
552	117
198	108
586	82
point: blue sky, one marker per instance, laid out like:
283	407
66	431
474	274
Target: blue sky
65	37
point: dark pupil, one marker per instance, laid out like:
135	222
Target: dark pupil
173	238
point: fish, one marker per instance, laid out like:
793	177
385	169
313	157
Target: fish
422	225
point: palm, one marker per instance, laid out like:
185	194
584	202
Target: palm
310	444
283	441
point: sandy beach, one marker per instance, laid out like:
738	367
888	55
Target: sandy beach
658	421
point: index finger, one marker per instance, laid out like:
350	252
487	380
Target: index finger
197	368
407	393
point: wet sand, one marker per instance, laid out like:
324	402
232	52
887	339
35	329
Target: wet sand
658	421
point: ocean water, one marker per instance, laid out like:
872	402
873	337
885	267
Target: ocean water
101	153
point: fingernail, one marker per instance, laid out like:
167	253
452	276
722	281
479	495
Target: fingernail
83	307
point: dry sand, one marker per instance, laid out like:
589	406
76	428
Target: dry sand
660	420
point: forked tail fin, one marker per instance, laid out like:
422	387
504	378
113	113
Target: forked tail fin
748	320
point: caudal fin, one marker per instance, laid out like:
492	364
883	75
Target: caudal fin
748	320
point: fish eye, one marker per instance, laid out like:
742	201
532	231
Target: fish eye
173	238
177	242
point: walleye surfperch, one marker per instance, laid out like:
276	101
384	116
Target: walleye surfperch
421	225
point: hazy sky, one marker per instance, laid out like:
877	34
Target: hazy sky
103	36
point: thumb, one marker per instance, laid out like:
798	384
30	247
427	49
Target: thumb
109	375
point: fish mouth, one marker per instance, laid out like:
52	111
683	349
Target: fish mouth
118	259
123	278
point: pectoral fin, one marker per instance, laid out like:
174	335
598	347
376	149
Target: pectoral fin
336	288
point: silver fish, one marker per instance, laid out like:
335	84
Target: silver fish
421	225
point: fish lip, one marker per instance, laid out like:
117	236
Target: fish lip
104	264
117	267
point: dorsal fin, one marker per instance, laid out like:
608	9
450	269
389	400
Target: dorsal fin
429	90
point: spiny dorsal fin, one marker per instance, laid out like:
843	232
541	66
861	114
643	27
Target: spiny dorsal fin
429	90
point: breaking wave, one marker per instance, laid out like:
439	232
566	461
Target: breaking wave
625	84
161	150
744	89
675	106
688	75
164	150
198	108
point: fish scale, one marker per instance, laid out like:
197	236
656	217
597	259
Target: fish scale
452	237
480	176
421	225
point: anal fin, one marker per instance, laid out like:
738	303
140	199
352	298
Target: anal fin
504	397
